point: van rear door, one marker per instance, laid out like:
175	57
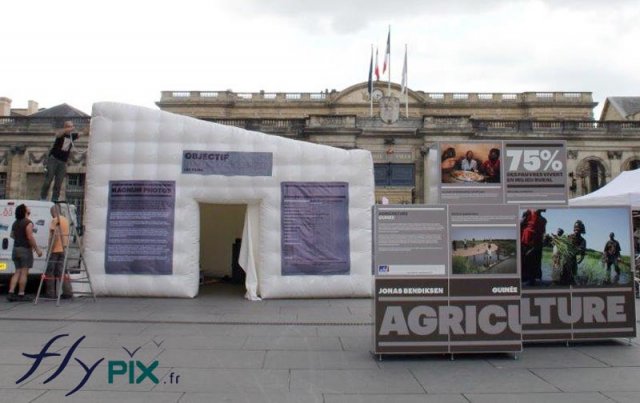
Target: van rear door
41	218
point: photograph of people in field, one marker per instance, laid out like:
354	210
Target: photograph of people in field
484	251
575	246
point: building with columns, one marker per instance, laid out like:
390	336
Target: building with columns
26	135
399	128
398	141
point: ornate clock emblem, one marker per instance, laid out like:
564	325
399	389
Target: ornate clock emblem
377	94
389	109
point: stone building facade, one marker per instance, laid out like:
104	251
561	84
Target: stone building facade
25	140
399	128
398	141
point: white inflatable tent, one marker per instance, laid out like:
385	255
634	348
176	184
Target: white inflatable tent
307	229
624	189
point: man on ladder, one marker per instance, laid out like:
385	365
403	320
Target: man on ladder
58	242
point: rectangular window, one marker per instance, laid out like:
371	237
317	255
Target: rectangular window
34	185
75	195
75	183
389	174
381	174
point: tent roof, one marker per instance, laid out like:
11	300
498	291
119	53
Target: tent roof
624	189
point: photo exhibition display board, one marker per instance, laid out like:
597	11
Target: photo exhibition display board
496	257
467	299
512	274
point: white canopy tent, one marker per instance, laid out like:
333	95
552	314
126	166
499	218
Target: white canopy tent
624	189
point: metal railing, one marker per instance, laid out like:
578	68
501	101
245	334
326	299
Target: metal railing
40	124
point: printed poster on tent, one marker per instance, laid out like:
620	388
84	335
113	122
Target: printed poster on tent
140	222
315	228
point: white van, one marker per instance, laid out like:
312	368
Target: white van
41	218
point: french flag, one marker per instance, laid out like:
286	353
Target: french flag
377	70
387	53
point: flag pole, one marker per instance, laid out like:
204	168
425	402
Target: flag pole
371	84
406	104
376	70
406	83
389	52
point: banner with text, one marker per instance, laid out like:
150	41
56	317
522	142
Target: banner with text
227	163
315	228
535	172
410	240
140	220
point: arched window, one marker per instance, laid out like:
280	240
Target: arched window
592	174
596	175
633	164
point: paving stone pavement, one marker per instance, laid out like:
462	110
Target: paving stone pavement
220	347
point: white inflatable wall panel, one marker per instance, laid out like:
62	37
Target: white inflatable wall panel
134	143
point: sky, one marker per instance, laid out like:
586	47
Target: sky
81	52
598	222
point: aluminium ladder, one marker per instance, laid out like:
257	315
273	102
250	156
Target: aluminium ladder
73	262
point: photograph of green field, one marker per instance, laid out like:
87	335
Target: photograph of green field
583	247
592	270
484	251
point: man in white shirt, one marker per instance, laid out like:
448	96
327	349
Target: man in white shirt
468	163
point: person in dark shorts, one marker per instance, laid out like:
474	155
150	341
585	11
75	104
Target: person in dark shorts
24	244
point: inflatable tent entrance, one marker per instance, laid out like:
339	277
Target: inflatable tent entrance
307	229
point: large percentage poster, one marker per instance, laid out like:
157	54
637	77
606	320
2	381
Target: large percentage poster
535	172
512	172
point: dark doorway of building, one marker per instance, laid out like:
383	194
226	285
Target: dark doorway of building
221	228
